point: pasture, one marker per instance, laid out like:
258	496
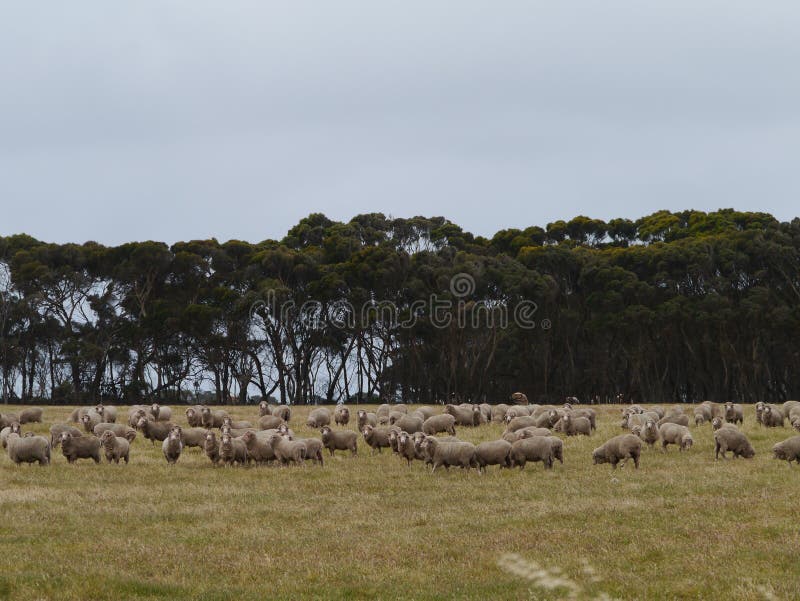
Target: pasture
684	526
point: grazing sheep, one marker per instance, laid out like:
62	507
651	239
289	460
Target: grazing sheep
426	412
365	418
787	409
31	415
407	449
717	423
232	450
339	440
772	417
401	407
536	448
14	428
734	413
341	415
193	437
107	412
154	431
675	434
28	449
796	423
657	410
77	414
518	423
464	417
211	447
120	430
495	452
258	450
649	433
730	439
787	450
617	450
90	420
319	417
395	415
282	411
517	411
194	415
499	412
172	446
287	451
439	423
57	429
680	419
82	447
269	422
447	454
574	426
519	398
376	437
313	449
115	447
237	425
212	418
409	424
589	414
383	410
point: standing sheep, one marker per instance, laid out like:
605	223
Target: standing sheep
339	440
161	413
258	450
212	419
447	454
409	424
287	451
365	418
30	449
464	417
618	450
269	422
341	416
31	415
319	417
14	428
499	412
439	423
734	413
680	419
232	450
282	411
120	430
107	412
83	447
193	437
536	448
57	429
115	447
194	415
675	434
376	437
154	431
574	426
787	450
90	420
495	452
211	448
730	439
407	449
649	433
313	450
772	417
172	446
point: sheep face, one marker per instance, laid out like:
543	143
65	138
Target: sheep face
190	413
598	457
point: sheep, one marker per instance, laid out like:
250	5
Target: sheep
516	411
313	449
107	412
161	413
120	430
407	449
787	450
14	428
401	407
77	413
730	439
383	410
796	423
135	416
376	437
772	417
734	413
525	433
495	452
439	423
649	433
211	447
464	417
28	449
56	431
236	425
115	447
536	448
365	418
90	420
717	423
574	426
394	433
285	430
31	415
589	414
675	434
617	450
264	409
319	417
499	412
640	419
236	432
787	408
341	415
760	412
446	454
258	450
340	440
194	415
154	431
409	424
287	451
269	422
395	415
172	446
657	410
518	423
519	398
673	418
212	418
426	412
193	437
282	411
232	450
83	447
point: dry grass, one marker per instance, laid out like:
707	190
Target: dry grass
682	527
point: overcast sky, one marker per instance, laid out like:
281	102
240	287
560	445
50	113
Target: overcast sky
178	120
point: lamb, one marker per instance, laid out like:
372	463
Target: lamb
464	417
729	439
90	420
31	415
193	437
232	450
376	437
115	447
172	446
28	449
82	447
446	454
107	412
212	419
258	450
287	451
536	448
340	440
680	419
211	448
787	450
573	426
120	430
772	416
649	433
495	452
365	418
407	449
318	418
154	431
439	423
409	424
499	412
14	428
194	415
269	422
160	413
675	434
341	416
618	450
734	413
57	429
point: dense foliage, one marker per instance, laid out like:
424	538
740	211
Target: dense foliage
672	307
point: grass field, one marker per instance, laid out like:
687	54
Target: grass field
369	527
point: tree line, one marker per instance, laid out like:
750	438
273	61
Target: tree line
672	307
